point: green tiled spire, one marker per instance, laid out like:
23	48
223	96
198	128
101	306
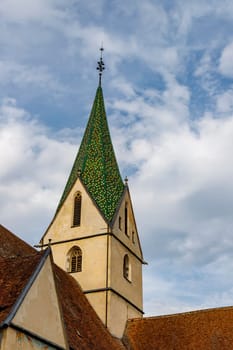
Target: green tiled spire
96	162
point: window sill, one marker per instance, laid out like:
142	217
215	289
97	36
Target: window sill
74	272
128	280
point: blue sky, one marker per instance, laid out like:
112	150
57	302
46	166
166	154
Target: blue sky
168	90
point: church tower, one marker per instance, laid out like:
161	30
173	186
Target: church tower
93	235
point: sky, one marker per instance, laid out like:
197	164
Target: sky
168	89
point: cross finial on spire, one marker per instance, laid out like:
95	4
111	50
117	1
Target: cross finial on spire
100	66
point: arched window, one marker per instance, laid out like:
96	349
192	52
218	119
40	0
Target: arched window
77	209
127	268
75	260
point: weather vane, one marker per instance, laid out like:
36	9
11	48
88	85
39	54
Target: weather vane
100	64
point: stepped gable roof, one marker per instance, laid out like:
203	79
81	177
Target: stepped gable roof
205	330
96	163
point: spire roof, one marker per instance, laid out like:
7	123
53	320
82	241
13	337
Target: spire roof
96	163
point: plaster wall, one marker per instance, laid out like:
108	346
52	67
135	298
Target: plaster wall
98	302
131	239
124	243
39	312
132	288
62	228
94	261
118	314
95	248
17	340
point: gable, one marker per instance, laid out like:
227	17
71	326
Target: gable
16	272
16	339
91	221
39	312
124	225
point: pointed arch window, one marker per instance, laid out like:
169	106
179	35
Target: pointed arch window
75	260
127	268
77	209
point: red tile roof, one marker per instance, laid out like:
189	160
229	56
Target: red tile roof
10	245
15	273
210	329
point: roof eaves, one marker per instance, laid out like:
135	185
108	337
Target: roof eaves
26	288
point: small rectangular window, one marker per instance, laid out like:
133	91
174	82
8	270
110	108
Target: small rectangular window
127	268
77	210
126	220
120	223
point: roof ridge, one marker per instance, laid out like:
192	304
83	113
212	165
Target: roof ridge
211	309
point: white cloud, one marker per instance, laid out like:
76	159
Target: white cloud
204	65
226	61
224	102
26	10
23	76
182	165
182	189
33	168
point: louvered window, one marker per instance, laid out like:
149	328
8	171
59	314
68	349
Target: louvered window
77	209
76	260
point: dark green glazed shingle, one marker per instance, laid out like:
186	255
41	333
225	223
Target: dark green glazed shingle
96	162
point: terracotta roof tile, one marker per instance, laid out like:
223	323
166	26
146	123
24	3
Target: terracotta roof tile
10	245
15	273
203	330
